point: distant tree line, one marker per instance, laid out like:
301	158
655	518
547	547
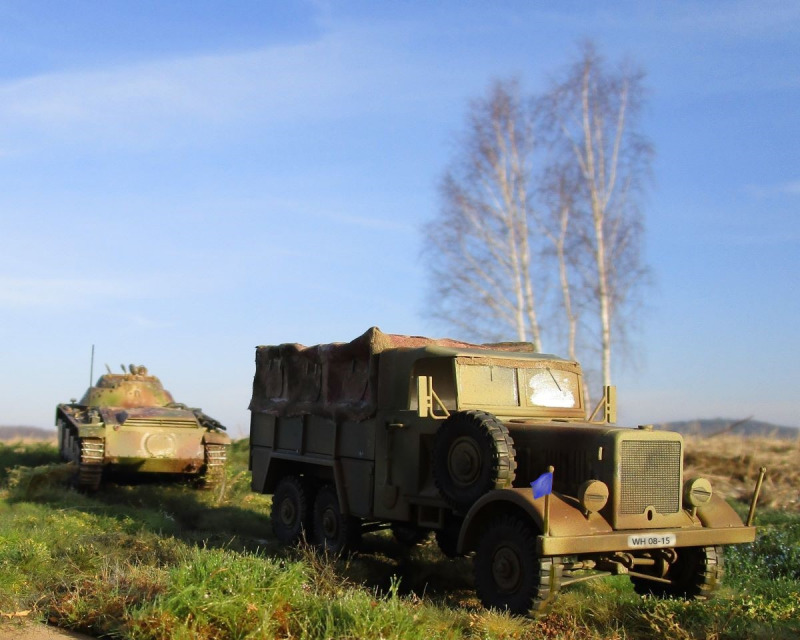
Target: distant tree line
539	234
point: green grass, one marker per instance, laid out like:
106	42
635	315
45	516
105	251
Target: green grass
166	561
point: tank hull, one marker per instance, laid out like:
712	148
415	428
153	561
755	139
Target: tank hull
128	439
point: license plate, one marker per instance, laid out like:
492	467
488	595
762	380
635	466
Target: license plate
651	540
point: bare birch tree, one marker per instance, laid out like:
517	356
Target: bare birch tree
482	256
540	214
591	116
554	218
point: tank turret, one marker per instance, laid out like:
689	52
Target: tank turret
132	389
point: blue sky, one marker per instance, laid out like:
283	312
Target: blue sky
182	181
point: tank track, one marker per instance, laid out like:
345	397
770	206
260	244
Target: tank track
216	457
90	467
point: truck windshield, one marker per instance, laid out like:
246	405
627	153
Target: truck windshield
500	386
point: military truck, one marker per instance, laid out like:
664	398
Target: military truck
490	447
129	424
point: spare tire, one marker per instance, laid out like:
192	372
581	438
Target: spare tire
473	453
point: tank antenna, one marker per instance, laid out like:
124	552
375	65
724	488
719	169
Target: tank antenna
91	368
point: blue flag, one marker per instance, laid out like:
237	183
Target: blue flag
543	485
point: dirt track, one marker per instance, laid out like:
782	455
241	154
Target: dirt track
19	630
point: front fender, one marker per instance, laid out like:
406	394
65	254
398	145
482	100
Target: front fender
718	514
566	518
91	431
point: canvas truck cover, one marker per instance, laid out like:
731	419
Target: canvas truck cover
337	379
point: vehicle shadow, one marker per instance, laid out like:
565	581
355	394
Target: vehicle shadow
242	524
422	571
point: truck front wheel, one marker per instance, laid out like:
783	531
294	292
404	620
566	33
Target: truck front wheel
696	574
291	510
334	531
508	572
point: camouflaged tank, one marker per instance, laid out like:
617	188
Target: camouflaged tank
129	423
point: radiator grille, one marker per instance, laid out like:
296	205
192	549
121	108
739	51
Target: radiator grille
650	475
160	422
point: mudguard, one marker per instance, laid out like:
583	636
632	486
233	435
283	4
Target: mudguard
718	514
566	517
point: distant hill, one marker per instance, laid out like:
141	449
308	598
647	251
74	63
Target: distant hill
743	427
11	434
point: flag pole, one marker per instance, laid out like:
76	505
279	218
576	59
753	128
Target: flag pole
546	531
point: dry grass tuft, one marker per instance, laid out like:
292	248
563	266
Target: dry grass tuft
732	463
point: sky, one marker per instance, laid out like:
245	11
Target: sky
183	181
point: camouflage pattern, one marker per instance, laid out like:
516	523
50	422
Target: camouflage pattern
128	423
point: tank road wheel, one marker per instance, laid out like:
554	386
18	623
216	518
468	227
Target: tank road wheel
473	453
291	510
216	456
696	574
334	532
90	465
508	572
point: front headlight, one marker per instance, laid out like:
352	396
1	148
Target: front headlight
593	496
697	492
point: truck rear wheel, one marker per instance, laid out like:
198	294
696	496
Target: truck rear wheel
696	574
508	572
473	453
291	510
334	531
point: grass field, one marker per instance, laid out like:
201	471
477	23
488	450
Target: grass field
167	561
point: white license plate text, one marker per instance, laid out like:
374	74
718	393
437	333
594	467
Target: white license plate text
651	540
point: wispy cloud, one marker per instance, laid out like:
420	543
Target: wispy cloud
319	210
52	292
365	222
343	73
756	239
137	104
138	321
790	188
742	18
91	292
